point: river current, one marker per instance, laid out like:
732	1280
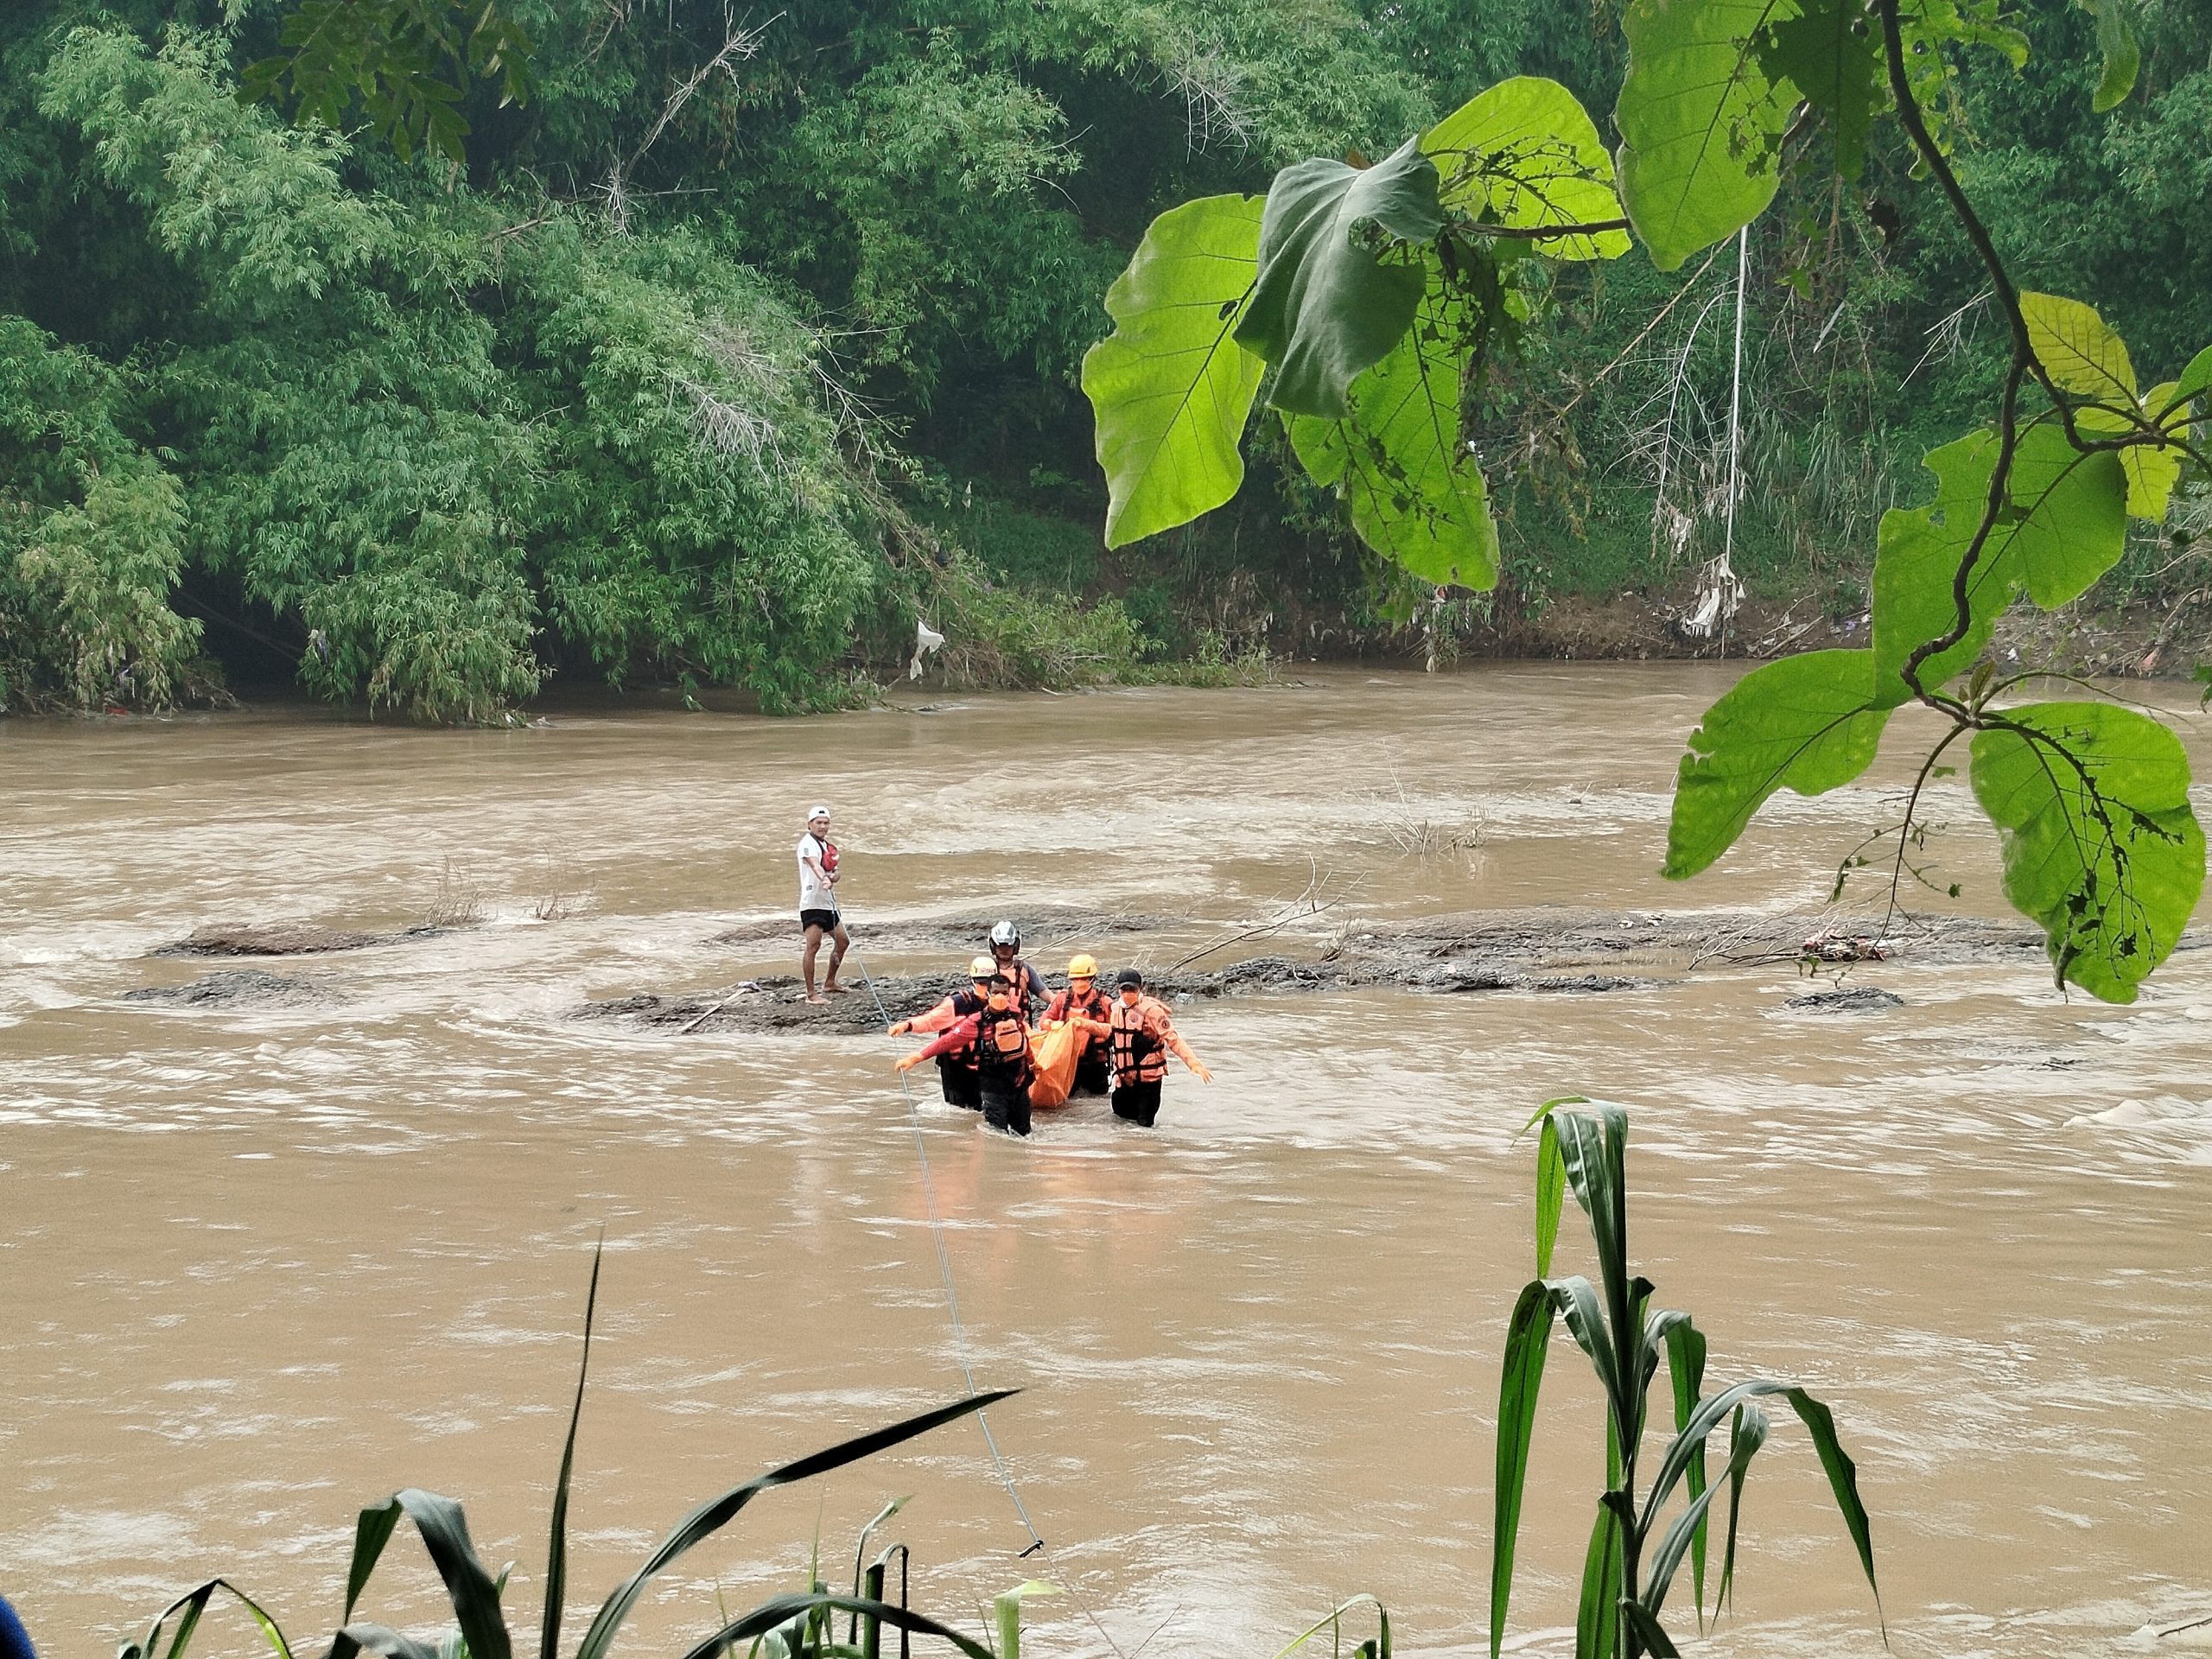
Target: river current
261	1263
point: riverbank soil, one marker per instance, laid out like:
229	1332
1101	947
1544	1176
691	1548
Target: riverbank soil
305	1215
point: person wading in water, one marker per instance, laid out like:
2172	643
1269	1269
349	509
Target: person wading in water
1000	1038
1093	1068
1142	1036
1028	984
955	1068
817	905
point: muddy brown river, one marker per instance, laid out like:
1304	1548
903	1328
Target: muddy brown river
275	1248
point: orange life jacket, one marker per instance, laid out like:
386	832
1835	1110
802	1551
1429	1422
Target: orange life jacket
1097	1006
1002	1047
964	1002
1139	1056
1026	982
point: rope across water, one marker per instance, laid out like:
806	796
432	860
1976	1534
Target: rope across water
1037	1544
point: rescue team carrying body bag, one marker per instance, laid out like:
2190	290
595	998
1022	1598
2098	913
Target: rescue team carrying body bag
1054	1053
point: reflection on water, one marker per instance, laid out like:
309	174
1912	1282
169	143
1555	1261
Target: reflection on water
263	1265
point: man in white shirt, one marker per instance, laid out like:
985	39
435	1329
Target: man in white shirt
817	903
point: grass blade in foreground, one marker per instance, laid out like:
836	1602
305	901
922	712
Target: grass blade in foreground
716	1513
557	1540
1527	1339
783	1609
192	1605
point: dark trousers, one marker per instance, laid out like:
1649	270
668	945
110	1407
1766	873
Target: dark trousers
960	1087
1092	1076
1005	1104
1137	1103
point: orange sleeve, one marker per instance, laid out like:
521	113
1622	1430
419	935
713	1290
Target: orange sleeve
959	1036
935	1020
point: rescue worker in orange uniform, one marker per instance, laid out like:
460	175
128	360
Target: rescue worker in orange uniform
956	1067
998	1037
1141	1038
1094	1073
1028	984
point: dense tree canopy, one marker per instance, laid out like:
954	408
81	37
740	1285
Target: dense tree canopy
714	356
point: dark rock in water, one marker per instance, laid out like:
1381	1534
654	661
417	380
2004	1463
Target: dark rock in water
282	939
1848	998
1587	983
1451	981
243	987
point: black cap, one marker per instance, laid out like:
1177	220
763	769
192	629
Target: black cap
1127	977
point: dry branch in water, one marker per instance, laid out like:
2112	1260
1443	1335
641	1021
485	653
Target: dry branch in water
1307	904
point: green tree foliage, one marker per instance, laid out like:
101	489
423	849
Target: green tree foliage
91	538
406	62
484	344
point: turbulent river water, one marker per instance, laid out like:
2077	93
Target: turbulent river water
267	1258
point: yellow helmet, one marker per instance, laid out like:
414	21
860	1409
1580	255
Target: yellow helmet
1083	965
982	967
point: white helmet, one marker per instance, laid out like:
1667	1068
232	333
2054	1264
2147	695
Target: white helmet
1006	933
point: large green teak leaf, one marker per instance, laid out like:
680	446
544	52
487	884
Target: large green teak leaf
1170	386
2196	379
1415	493
2091	801
1832	55
2064	525
2080	350
1701	120
1526	155
1330	303
1807	723
2123	58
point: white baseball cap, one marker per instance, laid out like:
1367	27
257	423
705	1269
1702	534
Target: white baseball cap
817	813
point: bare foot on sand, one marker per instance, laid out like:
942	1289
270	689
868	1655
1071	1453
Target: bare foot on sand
838	990
818	1000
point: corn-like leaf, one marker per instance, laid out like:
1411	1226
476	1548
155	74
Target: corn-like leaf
1593	1143
1686	1367
1597	1614
784	1609
716	1513
383	1640
1332	1622
1551	1194
1527	1339
2123	58
1675	1459
1577	1300
1656	1642
444	1529
1843	1483
1735	1502
556	1541
371	1532
190	1605
1689	1525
